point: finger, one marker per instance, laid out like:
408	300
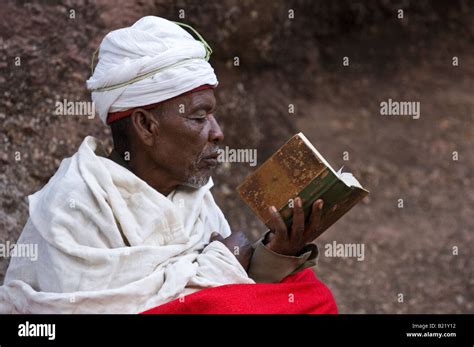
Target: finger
297	227
215	236
277	224
315	220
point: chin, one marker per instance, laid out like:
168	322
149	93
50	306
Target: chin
196	181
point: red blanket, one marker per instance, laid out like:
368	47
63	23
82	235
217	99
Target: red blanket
296	294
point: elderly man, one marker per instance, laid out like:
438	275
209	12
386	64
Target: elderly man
139	229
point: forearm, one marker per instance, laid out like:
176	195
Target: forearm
269	267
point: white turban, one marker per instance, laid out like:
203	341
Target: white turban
149	62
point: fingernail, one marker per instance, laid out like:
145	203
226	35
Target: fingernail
298	201
273	208
321	205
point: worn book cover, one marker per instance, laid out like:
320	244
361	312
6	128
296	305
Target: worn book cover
298	169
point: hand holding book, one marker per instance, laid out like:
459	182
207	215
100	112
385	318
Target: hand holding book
290	241
298	172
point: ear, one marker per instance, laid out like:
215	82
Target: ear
145	126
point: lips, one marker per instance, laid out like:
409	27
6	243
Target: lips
212	156
211	160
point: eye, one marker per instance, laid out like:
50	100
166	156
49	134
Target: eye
200	117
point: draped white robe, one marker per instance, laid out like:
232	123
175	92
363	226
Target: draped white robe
109	243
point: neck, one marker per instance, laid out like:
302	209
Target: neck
151	175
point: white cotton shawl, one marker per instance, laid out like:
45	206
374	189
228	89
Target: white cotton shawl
80	221
170	58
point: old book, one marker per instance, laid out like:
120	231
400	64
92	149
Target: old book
298	169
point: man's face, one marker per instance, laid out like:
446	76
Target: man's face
187	141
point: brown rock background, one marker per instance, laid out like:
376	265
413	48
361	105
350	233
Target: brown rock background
288	61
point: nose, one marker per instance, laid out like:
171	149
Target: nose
215	133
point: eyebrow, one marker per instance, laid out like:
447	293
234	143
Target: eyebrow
201	105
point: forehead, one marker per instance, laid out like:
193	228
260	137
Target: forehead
200	98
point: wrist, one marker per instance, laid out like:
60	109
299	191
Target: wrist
289	252
272	244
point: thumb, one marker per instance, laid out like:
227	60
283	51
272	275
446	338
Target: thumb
215	236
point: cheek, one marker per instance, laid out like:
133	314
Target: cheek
194	136
183	142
